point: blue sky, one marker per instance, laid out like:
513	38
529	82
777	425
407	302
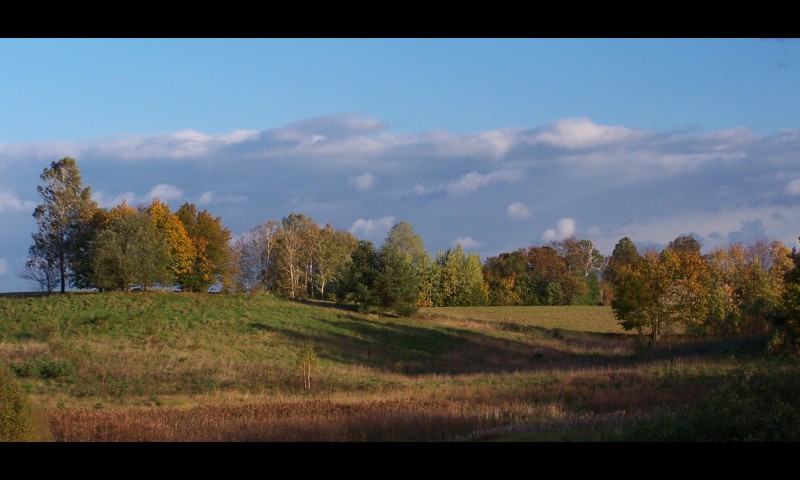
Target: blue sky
497	143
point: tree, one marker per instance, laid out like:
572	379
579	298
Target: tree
747	286
786	337
625	253
255	254
403	239
307	362
130	251
66	206
396	284
181	252
210	240
685	244
688	292
460	279
660	290
640	294
332	252
294	255
507	278
583	262
40	267
551	281
357	283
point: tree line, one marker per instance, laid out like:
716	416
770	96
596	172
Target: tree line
732	290
81	245
739	289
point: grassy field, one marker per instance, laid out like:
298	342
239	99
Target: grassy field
161	366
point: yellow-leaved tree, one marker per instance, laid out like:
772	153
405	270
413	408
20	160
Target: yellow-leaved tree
180	247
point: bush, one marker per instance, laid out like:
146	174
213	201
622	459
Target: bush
18	421
44	367
755	404
785	339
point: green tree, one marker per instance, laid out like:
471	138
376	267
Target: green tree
625	253
359	275
396	284
93	221
661	290
66	206
130	251
403	239
460	279
640	296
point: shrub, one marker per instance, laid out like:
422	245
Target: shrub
18	421
753	404
44	367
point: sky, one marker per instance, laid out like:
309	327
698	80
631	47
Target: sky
496	143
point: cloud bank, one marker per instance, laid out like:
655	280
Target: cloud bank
350	169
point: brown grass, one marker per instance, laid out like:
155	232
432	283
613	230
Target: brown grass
310	420
197	368
436	408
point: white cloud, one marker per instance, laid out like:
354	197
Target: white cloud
178	145
793	188
565	228
206	197
466	243
376	228
165	192
492	144
109	201
362	182
518	211
210	197
10	202
3	267
577	133
474	180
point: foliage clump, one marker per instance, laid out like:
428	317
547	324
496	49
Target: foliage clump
18	421
752	404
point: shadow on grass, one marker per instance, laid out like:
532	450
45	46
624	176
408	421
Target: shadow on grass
413	347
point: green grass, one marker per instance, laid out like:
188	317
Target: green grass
577	318
509	373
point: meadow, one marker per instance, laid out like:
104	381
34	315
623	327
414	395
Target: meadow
163	366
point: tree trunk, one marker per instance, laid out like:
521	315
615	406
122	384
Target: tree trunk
62	267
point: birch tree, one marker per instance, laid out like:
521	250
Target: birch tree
66	206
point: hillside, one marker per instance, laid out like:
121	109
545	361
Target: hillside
178	366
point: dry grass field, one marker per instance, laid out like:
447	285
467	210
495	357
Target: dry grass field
189	367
